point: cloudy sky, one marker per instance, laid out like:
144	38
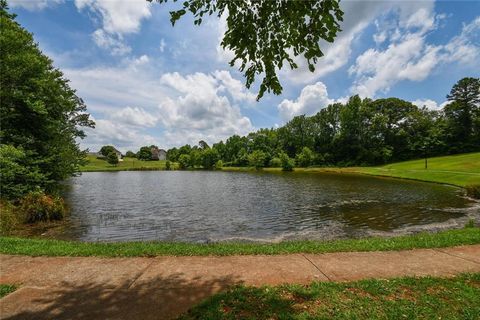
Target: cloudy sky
146	82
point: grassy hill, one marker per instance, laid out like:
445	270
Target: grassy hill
460	170
95	164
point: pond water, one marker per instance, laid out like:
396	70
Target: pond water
201	206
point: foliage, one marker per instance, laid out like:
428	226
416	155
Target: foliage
286	163
145	153
17	176
360	132
106	150
275	162
8	219
209	158
130	154
402	298
6	289
257	159
112	158
184	161
43	247
37	206
41	115
473	190
168	165
219	164
305	158
264	35
463	114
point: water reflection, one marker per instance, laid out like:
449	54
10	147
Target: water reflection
210	206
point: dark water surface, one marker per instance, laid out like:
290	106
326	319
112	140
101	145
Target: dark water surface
198	206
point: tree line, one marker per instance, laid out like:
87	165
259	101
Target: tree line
360	132
41	120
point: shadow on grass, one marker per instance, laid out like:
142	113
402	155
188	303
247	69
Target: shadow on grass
159	298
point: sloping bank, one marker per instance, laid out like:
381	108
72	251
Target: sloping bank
461	170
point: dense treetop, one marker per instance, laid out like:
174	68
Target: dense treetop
41	115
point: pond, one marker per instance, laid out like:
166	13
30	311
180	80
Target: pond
201	206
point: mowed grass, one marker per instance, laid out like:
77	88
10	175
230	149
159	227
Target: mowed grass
460	170
6	289
128	164
402	298
46	247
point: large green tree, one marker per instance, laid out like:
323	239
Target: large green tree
264	35
41	114
463	115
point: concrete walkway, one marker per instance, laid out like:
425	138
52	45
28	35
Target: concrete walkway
164	287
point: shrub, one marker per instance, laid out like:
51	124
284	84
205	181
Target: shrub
17	176
305	158
473	191
112	158
106	150
287	162
37	206
257	159
8	219
184	161
219	164
168	165
209	158
275	163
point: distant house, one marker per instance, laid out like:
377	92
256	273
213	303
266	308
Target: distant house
158	154
101	156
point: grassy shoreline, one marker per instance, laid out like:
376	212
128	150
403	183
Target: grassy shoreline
44	247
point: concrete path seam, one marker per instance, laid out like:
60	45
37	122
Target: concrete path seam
316	267
141	273
456	256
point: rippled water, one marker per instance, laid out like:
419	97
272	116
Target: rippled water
198	206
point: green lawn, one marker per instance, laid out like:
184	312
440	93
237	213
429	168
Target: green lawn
44	247
460	170
95	164
6	289
403	298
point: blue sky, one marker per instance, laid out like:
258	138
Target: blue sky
146	82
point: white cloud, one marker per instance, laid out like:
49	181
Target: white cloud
170	110
118	18
198	111
34	5
430	104
136	117
409	56
111	42
111	132
235	87
312	98
465	48
358	15
162	45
